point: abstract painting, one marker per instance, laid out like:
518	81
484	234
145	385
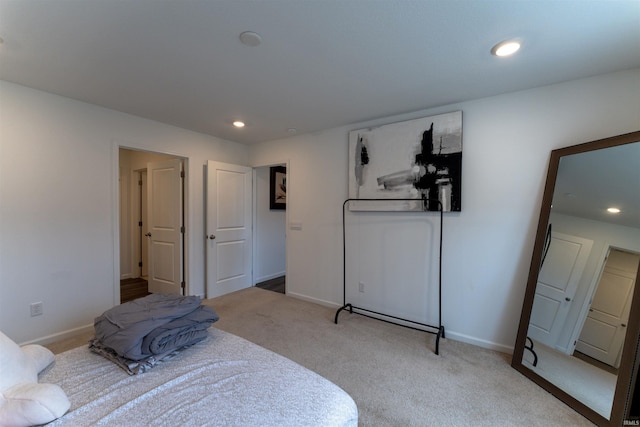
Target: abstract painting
278	188
417	159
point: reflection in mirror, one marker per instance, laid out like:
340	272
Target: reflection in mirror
579	311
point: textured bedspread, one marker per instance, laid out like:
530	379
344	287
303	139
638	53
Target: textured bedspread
221	381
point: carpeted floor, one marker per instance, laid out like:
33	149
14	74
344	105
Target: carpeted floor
390	371
593	386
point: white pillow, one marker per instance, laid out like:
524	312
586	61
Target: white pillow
24	402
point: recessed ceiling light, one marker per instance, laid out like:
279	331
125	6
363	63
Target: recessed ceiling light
249	38
505	48
238	124
292	130
613	210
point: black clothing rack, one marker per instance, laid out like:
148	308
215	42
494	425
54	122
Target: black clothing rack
436	330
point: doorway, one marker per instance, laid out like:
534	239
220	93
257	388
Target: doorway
138	277
240	243
270	222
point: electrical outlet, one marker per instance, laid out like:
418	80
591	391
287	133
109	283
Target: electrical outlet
36	309
361	287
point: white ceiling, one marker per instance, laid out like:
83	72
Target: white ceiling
589	183
321	64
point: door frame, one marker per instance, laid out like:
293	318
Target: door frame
115	214
254	215
138	206
137	199
593	286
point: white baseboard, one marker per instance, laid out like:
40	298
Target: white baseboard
60	335
478	342
448	334
302	297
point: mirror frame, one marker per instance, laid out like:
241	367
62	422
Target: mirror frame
629	362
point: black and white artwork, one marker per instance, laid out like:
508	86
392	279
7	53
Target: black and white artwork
417	159
278	188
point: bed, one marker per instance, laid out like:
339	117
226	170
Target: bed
223	380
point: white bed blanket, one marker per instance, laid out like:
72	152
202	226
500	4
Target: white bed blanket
221	381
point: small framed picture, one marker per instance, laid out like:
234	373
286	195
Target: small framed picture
278	188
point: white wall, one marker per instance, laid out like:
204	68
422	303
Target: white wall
58	205
269	234
507	140
58	202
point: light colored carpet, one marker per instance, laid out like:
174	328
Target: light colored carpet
592	386
391	372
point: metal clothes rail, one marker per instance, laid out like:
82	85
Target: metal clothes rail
437	330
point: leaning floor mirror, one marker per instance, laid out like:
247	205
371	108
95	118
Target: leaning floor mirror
580	324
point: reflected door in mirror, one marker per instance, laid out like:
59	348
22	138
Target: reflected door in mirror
557	282
604	329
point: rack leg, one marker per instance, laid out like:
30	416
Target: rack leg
438	335
344	307
530	348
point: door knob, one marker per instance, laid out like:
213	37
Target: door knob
567	299
148	234
213	236
624	325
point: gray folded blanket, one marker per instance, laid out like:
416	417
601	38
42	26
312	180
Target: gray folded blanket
184	331
132	367
155	324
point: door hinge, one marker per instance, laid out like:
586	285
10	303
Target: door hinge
140	183
183	285
182	229
139	223
140	264
181	174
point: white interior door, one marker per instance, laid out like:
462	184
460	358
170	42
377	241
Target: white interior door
604	329
229	228
557	284
164	212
